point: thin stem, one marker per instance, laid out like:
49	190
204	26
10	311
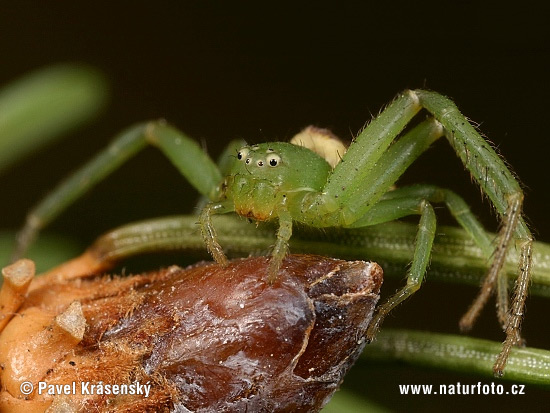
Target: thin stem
459	354
455	257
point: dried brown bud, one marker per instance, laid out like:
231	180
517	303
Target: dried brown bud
17	278
205	338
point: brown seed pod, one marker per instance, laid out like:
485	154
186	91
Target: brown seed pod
206	338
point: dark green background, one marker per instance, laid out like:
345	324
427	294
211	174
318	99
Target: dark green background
221	70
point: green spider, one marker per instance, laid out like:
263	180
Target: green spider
290	183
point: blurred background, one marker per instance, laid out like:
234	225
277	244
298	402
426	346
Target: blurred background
221	70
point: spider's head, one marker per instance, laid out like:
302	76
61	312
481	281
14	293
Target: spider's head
282	164
264	176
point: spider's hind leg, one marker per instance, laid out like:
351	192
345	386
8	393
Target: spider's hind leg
499	184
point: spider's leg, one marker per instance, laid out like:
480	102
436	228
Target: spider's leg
456	205
403	201
505	193
184	153
346	204
209	232
224	162
370	145
421	257
281	244
359	203
211	239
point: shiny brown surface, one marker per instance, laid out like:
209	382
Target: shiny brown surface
206	338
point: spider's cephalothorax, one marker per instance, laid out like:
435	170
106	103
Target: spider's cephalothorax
290	183
267	177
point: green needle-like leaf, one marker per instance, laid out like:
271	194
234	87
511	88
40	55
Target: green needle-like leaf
44	105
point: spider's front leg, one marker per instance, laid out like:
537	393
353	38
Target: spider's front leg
281	244
186	155
210	237
209	232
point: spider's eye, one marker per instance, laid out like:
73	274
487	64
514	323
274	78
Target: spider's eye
260	163
247	161
274	160
242	154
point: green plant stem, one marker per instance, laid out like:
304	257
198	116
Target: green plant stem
455	258
459	354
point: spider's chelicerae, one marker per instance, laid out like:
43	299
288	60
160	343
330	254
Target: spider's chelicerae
322	187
